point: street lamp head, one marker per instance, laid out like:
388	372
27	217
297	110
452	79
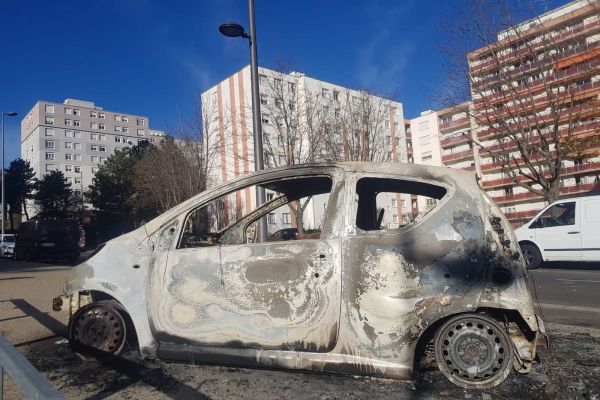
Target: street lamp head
11	114
233	29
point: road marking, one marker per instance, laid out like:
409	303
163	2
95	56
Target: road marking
577	280
570	308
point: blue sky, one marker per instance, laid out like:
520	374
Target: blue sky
153	57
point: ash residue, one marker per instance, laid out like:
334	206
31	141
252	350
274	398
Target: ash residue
569	370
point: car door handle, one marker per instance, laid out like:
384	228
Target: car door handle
321	256
572	232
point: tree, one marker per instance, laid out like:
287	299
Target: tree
530	91
52	195
20	184
112	188
165	176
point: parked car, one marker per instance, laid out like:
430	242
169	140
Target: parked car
48	239
7	245
566	230
359	297
285	234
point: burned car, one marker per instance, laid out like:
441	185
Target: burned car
365	292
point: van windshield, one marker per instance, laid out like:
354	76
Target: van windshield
9	239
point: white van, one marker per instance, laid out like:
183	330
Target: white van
566	230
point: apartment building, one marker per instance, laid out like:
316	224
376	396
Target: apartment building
228	123
541	68
76	137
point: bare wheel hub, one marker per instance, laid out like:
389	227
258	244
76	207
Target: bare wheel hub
100	327
473	351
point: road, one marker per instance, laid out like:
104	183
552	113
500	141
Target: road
568	295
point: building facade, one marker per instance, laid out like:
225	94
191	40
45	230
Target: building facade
75	137
311	105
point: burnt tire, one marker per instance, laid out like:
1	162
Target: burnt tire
532	256
473	351
99	329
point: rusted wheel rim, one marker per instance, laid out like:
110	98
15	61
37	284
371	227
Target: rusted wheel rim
474	352
99	327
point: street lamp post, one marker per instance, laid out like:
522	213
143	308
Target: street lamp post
233	29
8	114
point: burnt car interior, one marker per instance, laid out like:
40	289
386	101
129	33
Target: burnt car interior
369	216
221	220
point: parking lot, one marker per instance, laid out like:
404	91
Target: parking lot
570	369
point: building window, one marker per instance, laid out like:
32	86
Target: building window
291	86
103	138
118	129
102	127
94	125
78	135
95	159
263	100
49	132
118	118
426	156
77	169
125	119
77	146
49	109
68	111
69	180
395	218
68	133
140	132
93	114
77	158
94	136
286	218
102	116
68	156
271	218
336	95
102	148
68	122
68	145
119	139
140	122
49	144
68	168
125	129
270	196
78	180
393	202
94	147
94	170
76	123
76	112
50	167
50	156
49	120
102	159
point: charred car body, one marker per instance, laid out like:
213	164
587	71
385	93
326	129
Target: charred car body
356	296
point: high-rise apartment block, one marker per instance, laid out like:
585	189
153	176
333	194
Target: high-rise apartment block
314	106
537	70
77	136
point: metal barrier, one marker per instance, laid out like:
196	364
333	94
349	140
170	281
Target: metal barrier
29	379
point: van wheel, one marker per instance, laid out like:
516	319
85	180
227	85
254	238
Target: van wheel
99	329
473	352
533	257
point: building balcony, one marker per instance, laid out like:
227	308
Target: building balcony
578	112
565	191
521	216
562	61
485	67
529	104
455	141
566	171
457	157
459	123
539	85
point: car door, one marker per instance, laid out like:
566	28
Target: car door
590	229
558	232
273	295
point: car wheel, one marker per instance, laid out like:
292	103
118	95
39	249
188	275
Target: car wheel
533	257
473	352
99	329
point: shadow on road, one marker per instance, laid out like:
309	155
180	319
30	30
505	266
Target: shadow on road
51	323
571	265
